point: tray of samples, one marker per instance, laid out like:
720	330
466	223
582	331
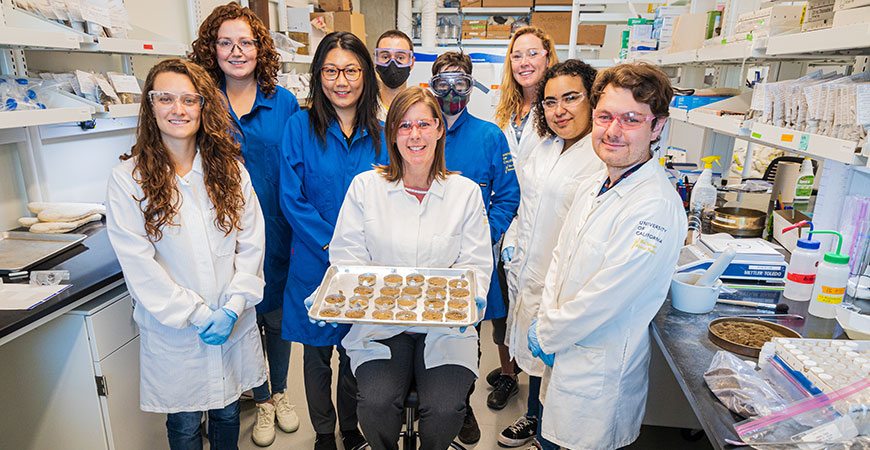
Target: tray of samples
407	296
823	365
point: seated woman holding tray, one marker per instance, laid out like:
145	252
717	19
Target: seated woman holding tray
414	213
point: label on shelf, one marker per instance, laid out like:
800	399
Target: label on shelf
804	142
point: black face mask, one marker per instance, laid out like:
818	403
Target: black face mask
392	75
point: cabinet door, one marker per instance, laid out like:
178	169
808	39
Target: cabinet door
128	427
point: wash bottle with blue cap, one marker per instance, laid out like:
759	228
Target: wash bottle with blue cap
801	274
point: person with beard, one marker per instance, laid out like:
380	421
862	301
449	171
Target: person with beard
478	150
394	59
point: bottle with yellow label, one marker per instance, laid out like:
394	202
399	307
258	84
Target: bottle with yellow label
831	279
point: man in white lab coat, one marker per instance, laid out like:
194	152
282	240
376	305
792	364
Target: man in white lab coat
610	271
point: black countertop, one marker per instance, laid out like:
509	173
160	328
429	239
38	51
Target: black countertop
92	266
685	345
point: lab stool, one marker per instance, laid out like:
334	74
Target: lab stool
409	435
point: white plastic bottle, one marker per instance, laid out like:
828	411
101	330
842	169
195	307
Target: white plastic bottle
801	274
703	192
804	186
831	279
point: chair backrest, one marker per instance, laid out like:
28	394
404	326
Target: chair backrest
770	171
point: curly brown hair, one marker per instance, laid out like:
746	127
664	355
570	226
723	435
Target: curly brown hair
268	60
220	155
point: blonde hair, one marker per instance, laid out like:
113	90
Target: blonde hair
511	101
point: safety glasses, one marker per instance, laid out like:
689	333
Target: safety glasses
403	57
627	121
425	126
530	54
167	99
568	100
228	46
459	82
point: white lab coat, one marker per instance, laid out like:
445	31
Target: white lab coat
521	149
609	276
381	224
551	181
177	281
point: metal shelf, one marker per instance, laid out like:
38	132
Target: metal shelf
808	144
62	108
505	11
27	39
438	11
853	39
287	57
610	17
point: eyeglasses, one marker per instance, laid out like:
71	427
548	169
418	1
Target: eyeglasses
228	46
423	125
351	73
569	100
403	57
530	54
459	82
166	99
627	121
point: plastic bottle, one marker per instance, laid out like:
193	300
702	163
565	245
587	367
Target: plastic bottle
804	186
831	279
704	193
801	274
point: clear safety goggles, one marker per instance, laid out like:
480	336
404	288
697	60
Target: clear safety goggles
167	99
402	57
626	121
459	82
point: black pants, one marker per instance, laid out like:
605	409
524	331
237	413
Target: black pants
384	384
317	374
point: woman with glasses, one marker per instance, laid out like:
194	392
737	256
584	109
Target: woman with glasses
413	212
394	59
188	231
323	148
552	173
235	48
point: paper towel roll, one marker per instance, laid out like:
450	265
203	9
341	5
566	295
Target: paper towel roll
785	180
403	17
428	24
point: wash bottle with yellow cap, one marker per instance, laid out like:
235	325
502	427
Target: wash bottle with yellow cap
704	193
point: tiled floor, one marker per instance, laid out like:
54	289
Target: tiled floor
491	422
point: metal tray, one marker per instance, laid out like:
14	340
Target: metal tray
345	278
741	349
20	250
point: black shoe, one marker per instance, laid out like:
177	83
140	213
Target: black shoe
519	433
492	376
325	441
505	388
352	439
470	432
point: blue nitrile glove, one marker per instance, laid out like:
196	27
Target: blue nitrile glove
218	326
310	301
481	307
535	347
507	254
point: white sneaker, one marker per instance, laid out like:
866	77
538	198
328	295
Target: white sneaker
264	429
288	421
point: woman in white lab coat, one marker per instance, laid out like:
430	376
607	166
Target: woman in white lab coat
529	54
552	172
188	231
413	213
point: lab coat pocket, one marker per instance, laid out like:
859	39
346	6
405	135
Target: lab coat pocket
580	371
445	249
245	366
168	358
224	246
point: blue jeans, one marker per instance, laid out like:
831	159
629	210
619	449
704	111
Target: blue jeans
533	407
277	352
183	429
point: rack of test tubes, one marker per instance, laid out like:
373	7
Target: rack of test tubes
828	364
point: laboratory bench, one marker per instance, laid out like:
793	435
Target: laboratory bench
683	340
93	271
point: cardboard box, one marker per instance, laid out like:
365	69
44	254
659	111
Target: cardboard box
558	26
469	24
470	3
508	3
475	34
784	218
851	16
688	32
302	38
327	22
298	20
820	13
498	31
335	5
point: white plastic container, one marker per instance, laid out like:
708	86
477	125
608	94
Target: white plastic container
687	297
801	274
703	192
804	186
830	286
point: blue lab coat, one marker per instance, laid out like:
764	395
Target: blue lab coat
260	140
314	181
480	151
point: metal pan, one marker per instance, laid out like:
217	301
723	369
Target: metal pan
741	349
20	250
345	279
